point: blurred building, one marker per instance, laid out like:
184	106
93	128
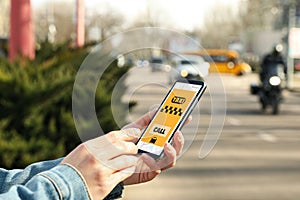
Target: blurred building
285	17
270	22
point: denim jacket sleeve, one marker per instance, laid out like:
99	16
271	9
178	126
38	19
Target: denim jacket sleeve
9	178
46	180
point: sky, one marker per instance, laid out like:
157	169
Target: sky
185	14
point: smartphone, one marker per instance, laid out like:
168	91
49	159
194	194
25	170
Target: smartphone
170	116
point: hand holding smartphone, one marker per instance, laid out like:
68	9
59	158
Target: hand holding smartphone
170	116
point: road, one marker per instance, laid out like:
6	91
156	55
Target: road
257	156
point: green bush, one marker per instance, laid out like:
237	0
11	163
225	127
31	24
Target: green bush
36	121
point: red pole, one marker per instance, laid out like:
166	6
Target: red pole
80	23
21	39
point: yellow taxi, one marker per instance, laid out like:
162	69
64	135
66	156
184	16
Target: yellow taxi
223	61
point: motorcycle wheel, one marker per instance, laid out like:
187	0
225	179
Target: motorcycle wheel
275	107
263	105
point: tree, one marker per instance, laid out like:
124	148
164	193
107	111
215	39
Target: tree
107	21
54	24
154	16
228	23
36	118
261	14
221	26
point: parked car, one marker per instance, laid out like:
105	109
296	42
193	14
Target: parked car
142	63
223	61
158	64
188	67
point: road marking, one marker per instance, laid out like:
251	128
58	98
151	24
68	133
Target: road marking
234	121
266	136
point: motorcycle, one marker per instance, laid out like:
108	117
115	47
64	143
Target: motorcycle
270	89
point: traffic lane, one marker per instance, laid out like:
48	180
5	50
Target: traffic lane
234	170
257	156
246	168
241	103
240	158
241	166
249	142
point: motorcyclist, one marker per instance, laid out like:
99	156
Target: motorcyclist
270	61
272	76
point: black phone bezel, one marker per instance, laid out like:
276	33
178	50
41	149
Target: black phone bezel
184	118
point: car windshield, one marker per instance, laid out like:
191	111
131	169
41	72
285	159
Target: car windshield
188	62
216	58
157	60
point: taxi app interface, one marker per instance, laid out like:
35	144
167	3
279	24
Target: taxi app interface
168	117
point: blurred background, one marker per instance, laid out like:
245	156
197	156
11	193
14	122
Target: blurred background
44	42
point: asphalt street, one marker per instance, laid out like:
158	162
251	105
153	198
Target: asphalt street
256	157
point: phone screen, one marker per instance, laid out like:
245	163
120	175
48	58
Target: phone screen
170	116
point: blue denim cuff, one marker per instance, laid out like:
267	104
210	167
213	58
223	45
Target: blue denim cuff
68	182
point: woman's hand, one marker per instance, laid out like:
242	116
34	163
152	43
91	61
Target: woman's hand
148	168
110	159
106	161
